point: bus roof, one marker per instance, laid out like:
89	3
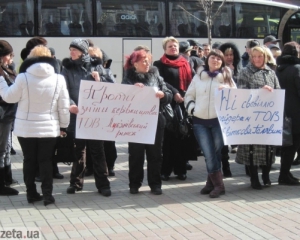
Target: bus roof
264	2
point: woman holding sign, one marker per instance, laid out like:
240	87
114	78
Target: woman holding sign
139	73
254	76
199	102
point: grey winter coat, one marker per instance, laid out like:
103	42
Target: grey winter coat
251	77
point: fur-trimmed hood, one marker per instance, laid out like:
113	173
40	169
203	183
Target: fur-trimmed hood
30	61
285	61
148	79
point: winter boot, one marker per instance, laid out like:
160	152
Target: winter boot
8	176
265	175
208	187
255	184
5	191
217	180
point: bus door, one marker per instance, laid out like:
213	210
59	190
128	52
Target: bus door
291	29
129	44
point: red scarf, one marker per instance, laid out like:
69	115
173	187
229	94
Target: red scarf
185	72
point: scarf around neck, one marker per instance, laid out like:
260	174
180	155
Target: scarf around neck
185	72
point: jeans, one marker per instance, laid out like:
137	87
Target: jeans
211	142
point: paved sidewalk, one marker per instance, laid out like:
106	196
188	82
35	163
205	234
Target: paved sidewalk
179	213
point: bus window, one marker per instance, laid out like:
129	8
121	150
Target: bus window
132	19
256	22
68	17
17	18
191	21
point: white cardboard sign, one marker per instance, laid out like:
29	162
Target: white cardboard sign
117	112
250	116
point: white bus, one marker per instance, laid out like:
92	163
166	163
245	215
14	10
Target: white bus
118	27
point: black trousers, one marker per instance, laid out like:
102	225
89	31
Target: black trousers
110	151
225	157
99	163
287	156
154	159
38	153
175	155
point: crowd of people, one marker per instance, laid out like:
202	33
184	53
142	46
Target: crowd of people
40	105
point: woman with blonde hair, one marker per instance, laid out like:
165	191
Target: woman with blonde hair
257	75
177	73
42	115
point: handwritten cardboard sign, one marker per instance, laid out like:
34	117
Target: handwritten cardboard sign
250	116
117	112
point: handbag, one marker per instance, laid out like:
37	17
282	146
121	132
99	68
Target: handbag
287	136
168	113
65	150
182	124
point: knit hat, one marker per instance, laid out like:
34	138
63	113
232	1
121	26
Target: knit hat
5	48
81	44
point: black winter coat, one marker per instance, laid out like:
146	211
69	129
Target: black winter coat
150	79
288	73
7	110
76	70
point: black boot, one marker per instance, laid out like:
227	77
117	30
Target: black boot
34	197
255	184
8	176
265	175
6	191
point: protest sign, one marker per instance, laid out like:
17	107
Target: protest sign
117	112
250	116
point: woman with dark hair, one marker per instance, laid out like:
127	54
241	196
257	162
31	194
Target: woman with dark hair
177	73
141	74
257	75
232	58
199	101
80	66
288	73
42	115
233	61
7	116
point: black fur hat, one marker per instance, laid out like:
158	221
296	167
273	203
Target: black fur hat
5	48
